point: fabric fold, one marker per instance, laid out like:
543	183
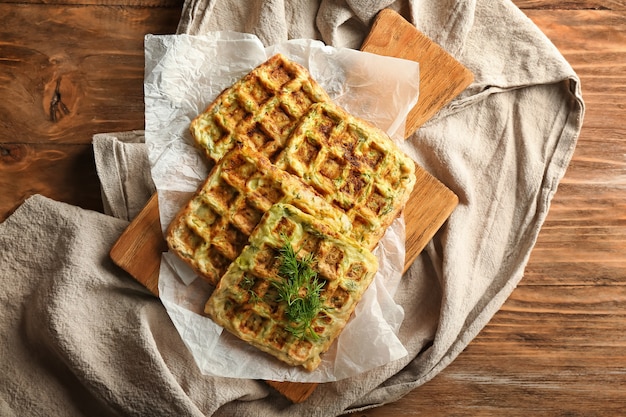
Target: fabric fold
124	172
81	337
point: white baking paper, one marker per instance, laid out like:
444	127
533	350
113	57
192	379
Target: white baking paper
184	73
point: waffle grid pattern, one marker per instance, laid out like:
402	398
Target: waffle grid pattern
214	226
354	165
262	108
245	300
280	111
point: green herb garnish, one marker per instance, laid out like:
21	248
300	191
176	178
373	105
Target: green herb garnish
301	290
247	283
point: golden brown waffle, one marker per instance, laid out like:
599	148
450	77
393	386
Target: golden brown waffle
210	231
245	300
354	165
279	110
262	108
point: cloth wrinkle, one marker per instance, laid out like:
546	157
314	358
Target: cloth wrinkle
79	337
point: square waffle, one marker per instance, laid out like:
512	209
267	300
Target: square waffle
354	165
263	108
246	300
210	231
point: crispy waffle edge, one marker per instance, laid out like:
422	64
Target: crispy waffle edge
234	308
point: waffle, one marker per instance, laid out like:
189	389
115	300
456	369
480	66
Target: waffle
245	300
354	165
210	231
262	108
280	111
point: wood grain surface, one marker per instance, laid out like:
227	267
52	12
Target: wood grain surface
88	59
396	37
558	345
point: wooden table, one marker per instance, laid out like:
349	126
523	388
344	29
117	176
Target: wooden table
557	346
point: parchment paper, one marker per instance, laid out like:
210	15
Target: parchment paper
183	75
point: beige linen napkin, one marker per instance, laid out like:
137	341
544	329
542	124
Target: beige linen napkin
80	337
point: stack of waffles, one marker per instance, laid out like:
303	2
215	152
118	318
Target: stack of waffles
289	167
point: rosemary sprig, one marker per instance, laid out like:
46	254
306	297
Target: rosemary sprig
300	289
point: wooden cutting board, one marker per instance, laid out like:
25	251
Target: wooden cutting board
138	250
